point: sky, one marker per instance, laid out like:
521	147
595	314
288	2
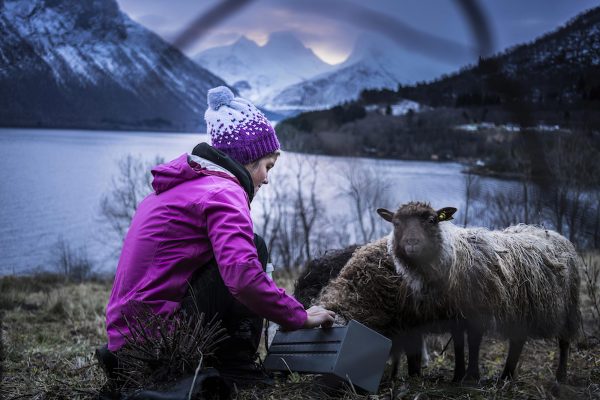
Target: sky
330	27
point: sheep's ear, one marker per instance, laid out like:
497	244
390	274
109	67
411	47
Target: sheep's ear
445	214
385	214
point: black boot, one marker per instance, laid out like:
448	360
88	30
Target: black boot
109	362
238	357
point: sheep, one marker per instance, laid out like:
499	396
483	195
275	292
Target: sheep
521	282
316	275
319	272
369	290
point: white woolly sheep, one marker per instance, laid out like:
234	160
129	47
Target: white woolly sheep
520	282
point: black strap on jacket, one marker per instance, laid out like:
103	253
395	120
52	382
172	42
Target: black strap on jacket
209	153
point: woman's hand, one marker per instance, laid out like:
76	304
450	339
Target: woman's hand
318	316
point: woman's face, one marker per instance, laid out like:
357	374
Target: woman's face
259	170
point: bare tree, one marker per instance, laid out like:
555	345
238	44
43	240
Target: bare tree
471	181
499	209
595	204
290	214
365	191
526	180
73	264
270	212
132	183
591	280
276	223
570	162
308	207
287	244
502	208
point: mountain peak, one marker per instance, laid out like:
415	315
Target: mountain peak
93	17
369	45
244	41
284	40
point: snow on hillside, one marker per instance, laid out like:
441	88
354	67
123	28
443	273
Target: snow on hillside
92	62
399	109
375	63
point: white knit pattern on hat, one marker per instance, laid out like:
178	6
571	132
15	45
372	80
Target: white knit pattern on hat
222	123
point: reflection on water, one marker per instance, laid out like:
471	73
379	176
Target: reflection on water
52	182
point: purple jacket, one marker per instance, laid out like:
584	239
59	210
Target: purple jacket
193	216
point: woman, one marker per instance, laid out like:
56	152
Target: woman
195	231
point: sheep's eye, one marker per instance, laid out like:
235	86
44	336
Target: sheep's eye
432	220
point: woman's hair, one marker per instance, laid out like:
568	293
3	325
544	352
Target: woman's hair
254	164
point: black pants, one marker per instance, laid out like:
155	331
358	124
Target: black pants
209	295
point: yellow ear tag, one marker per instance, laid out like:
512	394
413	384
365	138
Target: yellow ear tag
442	216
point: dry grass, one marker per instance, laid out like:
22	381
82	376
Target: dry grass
51	328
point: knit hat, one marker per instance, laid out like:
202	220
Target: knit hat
237	128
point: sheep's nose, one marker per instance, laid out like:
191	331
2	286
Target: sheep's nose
412	241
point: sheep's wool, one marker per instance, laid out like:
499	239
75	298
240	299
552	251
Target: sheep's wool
412	280
523	278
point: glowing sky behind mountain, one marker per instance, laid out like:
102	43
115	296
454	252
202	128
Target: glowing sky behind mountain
331	36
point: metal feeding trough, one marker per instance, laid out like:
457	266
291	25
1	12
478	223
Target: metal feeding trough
353	353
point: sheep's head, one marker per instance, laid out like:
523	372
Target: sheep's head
417	239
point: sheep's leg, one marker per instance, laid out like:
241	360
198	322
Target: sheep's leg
514	352
424	354
458	338
412	345
414	353
561	372
397	349
474	337
395	365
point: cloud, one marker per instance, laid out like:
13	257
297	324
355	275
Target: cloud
153	20
529	22
329	38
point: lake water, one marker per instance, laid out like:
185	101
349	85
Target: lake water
52	182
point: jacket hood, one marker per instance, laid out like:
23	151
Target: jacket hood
221	159
172	174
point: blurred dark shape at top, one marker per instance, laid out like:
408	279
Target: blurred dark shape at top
204	22
406	36
366	18
480	26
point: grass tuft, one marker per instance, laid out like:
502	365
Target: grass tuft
163	349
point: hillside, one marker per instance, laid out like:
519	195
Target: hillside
560	70
72	64
489	111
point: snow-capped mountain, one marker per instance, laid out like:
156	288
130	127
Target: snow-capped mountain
375	63
261	72
71	63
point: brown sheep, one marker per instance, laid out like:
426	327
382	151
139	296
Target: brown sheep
319	272
369	290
